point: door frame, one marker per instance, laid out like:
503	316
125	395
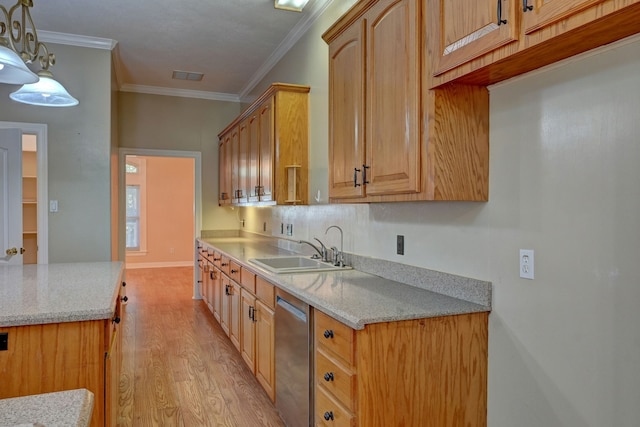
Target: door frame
40	131
197	197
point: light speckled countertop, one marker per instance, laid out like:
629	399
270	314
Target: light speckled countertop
354	297
63	408
53	293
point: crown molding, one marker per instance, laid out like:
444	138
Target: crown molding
289	41
184	93
76	40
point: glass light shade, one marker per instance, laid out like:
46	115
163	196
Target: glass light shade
47	93
295	5
13	70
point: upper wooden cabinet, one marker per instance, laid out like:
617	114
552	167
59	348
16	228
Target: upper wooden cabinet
469	44
277	122
390	138
471	29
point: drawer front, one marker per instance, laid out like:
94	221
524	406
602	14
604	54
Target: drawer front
266	292
337	379
224	264
335	336
330	413
234	271
248	280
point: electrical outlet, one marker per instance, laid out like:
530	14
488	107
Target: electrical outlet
526	263
4	341
289	229
400	245
264	226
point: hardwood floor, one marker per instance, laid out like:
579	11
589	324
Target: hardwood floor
178	366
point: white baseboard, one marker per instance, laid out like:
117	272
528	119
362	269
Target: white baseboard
133	265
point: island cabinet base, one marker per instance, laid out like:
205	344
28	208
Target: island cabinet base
414	373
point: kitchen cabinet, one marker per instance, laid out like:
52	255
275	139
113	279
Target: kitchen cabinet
224	171
225	304
436	368
414	143
468	46
265	336
471	29
276	122
216	292
248	335
61	356
234	313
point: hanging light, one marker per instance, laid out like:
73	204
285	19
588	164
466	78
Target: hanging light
295	5
19	46
46	92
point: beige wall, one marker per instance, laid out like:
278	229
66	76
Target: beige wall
79	143
169	218
565	347
173	123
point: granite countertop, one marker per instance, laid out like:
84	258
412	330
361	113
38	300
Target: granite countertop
354	297
63	408
53	293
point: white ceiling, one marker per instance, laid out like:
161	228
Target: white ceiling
233	42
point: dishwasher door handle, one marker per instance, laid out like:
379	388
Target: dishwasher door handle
295	311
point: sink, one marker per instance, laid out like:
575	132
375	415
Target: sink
294	264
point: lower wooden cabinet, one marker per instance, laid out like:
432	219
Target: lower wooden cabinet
64	356
424	372
265	350
234	313
248	333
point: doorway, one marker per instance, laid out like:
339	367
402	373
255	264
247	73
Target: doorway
150	182
34	189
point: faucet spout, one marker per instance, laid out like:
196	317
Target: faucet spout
320	252
339	257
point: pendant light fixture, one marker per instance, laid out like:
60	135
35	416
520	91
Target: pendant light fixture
19	46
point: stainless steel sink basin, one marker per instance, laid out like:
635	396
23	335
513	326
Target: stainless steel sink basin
294	264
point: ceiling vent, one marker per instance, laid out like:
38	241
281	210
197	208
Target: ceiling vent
187	75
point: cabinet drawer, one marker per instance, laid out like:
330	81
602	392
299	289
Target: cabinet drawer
234	271
330	413
266	292
335	336
337	379
217	259
224	264
248	280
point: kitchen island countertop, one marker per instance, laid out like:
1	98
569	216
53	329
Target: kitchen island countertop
63	408
54	293
354	297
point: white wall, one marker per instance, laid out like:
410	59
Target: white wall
564	349
79	140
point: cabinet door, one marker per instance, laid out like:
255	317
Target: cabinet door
217	293
267	145
225	304
346	113
253	180
234	314
265	350
234	147
224	173
471	29
248	329
209	288
243	164
393	99
547	12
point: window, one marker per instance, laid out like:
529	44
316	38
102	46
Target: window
135	203
133	217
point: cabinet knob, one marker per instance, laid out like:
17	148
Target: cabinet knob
328	376
116	320
124	298
124	283
233	271
224	264
328	415
525	6
355	177
328	333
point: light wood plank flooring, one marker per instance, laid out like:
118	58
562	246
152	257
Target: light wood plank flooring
178	366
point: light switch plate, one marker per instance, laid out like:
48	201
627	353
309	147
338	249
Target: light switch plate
53	206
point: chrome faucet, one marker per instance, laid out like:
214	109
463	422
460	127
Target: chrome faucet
322	253
338	256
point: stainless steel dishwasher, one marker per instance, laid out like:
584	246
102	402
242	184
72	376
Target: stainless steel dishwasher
294	386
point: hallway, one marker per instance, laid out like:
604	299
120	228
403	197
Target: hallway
178	366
